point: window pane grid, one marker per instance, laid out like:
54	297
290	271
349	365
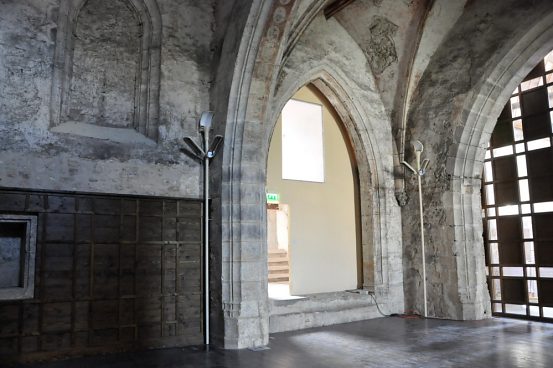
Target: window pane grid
517	201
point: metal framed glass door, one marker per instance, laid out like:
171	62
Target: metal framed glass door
517	201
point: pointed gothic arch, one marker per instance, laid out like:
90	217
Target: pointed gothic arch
480	116
251	110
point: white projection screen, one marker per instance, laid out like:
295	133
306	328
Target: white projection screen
302	142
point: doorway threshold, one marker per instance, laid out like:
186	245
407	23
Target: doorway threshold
323	309
281	291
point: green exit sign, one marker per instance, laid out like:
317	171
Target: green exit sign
273	198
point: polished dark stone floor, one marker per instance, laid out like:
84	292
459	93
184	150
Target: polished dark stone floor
384	342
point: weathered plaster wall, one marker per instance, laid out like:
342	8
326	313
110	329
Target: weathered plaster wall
106	60
186	56
440	20
488	34
32	156
384	34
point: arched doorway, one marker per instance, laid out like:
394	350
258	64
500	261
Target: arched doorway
518	200
258	93
313	222
466	154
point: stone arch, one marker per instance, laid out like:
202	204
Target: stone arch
146	99
238	213
252	102
331	83
302	21
466	158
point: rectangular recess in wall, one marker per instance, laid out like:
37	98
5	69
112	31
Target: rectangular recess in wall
17	256
302	141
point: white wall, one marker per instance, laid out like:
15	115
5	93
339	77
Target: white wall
323	245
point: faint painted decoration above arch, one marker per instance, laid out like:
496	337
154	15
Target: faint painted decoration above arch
382	49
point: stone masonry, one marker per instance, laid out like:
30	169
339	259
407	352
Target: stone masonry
96	96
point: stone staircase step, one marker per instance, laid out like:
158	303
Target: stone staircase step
279	267
283	267
280	278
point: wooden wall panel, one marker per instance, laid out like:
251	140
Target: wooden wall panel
113	273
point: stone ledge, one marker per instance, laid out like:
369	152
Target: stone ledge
119	135
318	310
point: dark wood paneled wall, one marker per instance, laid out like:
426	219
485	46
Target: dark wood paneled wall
113	273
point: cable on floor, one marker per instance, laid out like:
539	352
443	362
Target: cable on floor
378	307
